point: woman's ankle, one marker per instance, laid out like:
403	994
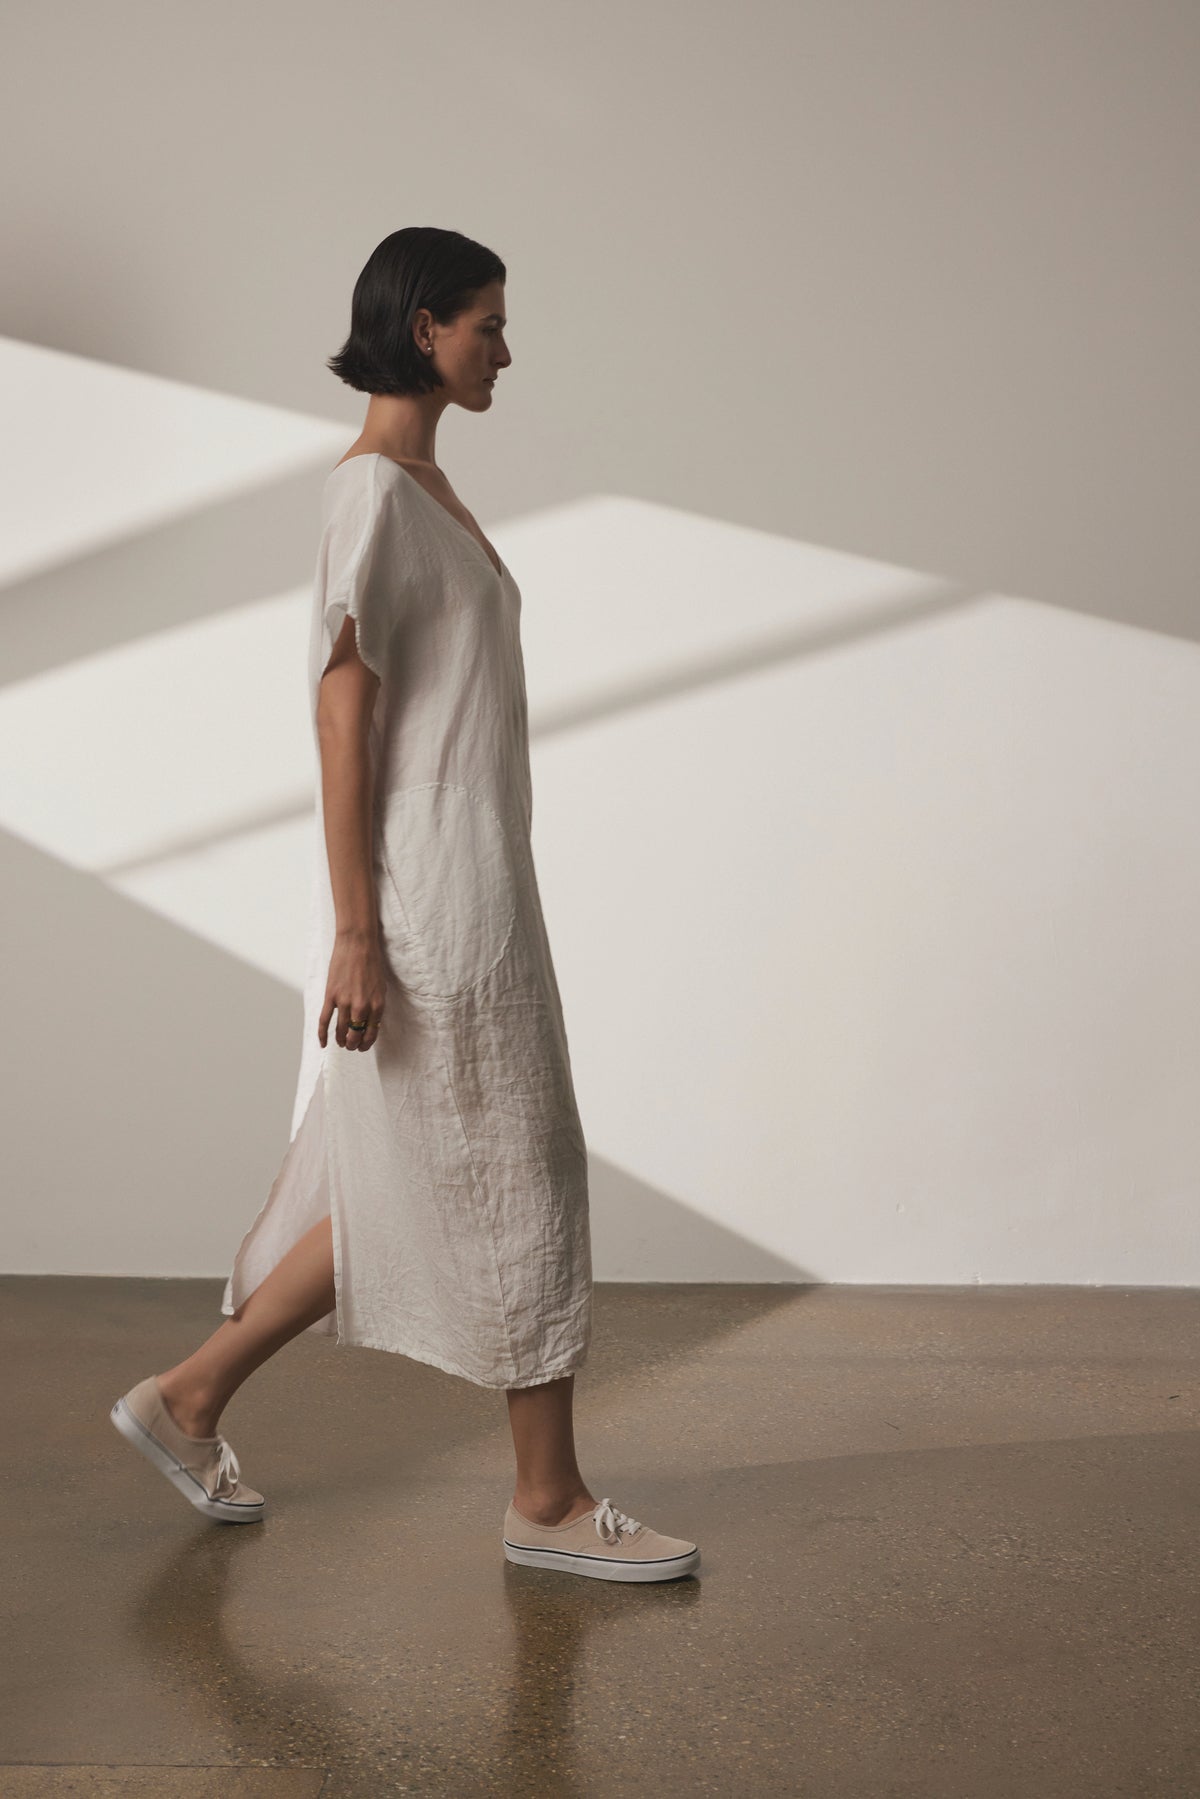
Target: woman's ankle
553	1505
196	1411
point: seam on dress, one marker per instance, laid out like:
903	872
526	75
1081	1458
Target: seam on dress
476	799
335	1222
378	847
478	1185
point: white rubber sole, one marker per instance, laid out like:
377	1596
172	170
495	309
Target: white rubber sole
135	1432
603	1567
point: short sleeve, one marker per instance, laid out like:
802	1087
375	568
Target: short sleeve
355	572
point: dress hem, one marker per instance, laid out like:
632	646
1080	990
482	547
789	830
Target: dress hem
568	1365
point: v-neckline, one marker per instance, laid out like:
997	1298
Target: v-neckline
444	510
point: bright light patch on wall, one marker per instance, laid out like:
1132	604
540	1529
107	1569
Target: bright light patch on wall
161	744
139	450
179	768
626	601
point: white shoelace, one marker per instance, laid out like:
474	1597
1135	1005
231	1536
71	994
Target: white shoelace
610	1522
228	1473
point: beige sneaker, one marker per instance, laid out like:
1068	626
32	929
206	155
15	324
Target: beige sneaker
204	1469
605	1543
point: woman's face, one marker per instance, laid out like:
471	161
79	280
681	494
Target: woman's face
470	352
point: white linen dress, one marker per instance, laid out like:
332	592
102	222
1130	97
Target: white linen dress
450	1156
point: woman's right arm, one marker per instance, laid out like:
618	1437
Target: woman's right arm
357	982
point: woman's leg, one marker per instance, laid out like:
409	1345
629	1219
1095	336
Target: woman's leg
298	1291
550	1489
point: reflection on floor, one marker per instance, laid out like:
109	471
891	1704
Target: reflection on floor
948	1545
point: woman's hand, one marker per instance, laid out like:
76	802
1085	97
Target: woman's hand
356	989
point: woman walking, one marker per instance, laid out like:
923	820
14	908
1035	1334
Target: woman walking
433	1198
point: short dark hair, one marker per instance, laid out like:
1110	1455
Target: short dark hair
418	266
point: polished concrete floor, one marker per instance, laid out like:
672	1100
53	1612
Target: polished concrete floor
949	1548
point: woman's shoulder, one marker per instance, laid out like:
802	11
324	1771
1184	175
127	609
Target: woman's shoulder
371	528
375	463
362	487
359	469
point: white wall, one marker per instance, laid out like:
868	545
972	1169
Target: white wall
871	887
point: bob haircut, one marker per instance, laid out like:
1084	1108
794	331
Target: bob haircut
419	266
